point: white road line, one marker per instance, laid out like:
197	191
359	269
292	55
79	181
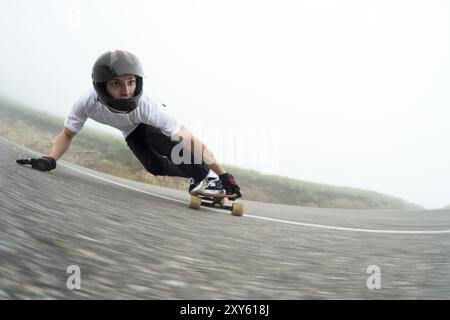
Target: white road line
273	219
349	229
122	185
253	216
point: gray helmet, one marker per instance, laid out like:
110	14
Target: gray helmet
110	65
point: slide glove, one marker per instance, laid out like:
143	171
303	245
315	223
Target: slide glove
45	163
230	185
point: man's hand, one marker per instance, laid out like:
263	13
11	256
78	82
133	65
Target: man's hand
230	185
45	163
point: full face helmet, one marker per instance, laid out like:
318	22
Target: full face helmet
110	65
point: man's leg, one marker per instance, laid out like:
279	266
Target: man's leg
153	162
196	171
153	149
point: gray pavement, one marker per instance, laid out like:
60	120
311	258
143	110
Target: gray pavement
137	241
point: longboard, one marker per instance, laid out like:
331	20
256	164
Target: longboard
216	201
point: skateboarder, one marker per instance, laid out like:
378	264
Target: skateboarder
117	99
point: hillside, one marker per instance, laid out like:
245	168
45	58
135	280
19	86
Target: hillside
108	153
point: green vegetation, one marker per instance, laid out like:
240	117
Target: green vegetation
108	153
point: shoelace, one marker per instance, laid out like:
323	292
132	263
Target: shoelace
212	183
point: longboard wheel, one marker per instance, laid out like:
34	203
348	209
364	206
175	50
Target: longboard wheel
195	203
237	209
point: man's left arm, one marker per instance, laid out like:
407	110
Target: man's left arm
191	142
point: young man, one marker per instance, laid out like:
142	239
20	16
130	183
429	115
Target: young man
151	133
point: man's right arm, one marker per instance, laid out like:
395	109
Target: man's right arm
75	121
47	163
62	143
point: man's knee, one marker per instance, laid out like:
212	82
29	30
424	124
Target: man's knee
157	169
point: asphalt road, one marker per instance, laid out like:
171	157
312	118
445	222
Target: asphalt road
137	241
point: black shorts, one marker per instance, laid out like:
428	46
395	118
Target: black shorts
153	149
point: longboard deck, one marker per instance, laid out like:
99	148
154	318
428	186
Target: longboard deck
212	195
216	201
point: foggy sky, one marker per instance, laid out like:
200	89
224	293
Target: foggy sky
349	93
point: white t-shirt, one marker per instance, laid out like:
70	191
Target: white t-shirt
149	111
